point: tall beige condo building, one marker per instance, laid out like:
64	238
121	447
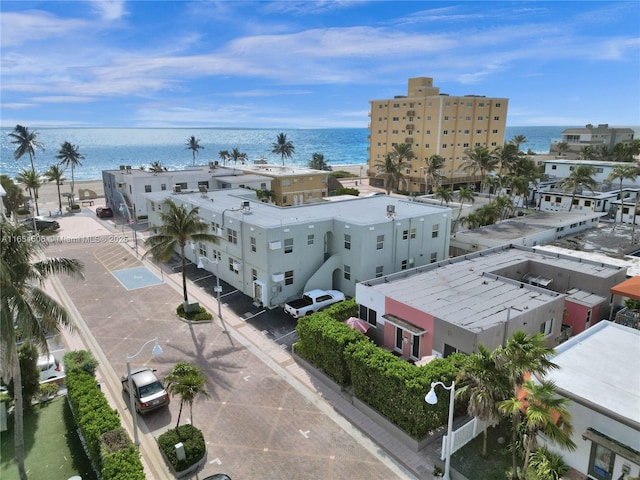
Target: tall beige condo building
434	123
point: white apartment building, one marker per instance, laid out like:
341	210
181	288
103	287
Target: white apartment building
591	136
273	254
562	169
434	123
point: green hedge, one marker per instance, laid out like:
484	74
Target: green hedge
202	314
109	447
191	438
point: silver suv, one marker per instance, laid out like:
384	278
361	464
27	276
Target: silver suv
148	392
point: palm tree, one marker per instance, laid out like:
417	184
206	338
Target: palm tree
193	144
581	176
26	143
445	194
56	174
187	381
283	147
504	205
545	412
622	173
25	307
318	162
70	157
518	140
464	194
507	155
179	226
587	153
403	155
561	147
523	354
236	155
14	197
33	182
224	155
484	386
479	158
547	465
435	163
156	167
387	166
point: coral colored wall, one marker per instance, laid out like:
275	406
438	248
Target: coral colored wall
413	316
577	316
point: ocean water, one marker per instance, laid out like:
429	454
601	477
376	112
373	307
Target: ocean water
108	148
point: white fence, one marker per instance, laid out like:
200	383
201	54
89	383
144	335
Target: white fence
463	435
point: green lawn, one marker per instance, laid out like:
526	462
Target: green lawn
52	447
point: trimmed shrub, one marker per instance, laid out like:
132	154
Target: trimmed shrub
347	191
114	441
200	315
342	310
123	465
48	391
80	361
75	206
194	446
342	174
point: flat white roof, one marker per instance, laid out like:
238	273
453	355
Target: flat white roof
600	368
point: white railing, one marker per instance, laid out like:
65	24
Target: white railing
463	435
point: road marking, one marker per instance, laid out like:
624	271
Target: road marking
305	434
246	379
215	460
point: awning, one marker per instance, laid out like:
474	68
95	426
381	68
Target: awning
617	447
629	288
398	322
536	280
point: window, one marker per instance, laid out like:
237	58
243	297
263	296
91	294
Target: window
379	271
288	277
163	186
587	203
347	241
399	338
468	118
232	236
253	244
403	265
368	315
495	130
601	462
347	272
467	132
480	117
203	183
234	265
481	104
405	234
286	182
415	346
547	198
498	105
444	145
434	257
576	201
310	239
478	132
202	249
427	132
379	242
446	117
558	199
465	145
554	167
445	132
412	233
434	230
496	118
284	199
147	188
396	105
395	119
547	327
288	245
254	274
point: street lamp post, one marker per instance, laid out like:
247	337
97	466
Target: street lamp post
157	350
432	399
218	288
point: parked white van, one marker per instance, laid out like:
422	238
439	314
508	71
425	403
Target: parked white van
50	368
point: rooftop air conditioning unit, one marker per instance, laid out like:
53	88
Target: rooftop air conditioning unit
121	185
121	167
177	189
246	205
202	188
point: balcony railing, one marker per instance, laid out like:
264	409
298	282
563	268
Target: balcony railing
628	318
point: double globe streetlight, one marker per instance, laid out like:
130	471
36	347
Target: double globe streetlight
432	399
157	350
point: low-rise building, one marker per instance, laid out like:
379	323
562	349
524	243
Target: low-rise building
274	254
598	371
484	297
559	169
591	136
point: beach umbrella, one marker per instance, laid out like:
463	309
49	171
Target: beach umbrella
357	324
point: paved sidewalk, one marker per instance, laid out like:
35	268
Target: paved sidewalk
266	418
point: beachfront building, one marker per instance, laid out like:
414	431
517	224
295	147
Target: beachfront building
125	188
555	169
274	254
434	123
590	136
528	231
484	298
598	372
292	185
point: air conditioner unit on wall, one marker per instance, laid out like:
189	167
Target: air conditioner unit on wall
177	189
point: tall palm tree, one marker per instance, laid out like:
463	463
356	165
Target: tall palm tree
193	144
224	156
187	381
156	167
484	386
464	195
25	142
403	155
561	147
435	163
507	155
479	159
56	174
587	153
33	182
70	157
236	155
387	167
518	140
522	355
283	147
179	226
547	413
445	194
581	176
504	205
622	173
27	308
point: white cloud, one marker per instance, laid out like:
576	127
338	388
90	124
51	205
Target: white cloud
109	9
21	27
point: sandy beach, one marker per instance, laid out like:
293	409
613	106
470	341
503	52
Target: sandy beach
93	189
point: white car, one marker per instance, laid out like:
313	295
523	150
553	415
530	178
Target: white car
50	368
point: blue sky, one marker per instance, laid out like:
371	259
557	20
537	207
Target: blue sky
311	64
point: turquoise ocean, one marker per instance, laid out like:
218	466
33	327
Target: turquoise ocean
108	148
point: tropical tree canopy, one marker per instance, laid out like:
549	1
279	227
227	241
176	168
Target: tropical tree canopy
25	142
56	174
283	147
193	144
178	227
186	381
70	157
432	175
14	197
581	176
318	162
